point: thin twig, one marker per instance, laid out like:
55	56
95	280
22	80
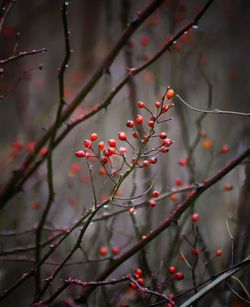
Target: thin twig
215	111
92	183
21	55
232	242
23	249
242	286
32	260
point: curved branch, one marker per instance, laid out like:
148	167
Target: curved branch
215	111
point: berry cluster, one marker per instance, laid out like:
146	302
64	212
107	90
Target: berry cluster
135	144
138	273
103	251
177	275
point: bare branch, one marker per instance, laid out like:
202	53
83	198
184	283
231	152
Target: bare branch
215	111
22	54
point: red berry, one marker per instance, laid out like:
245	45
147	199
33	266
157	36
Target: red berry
139	272
152	203
195	217
183	162
80	154
112	143
31	147
115	250
218	252
141	281
87	155
228	187
170	296
170	93
134	162
132	210
133	285
102	171
87	143
195	251
122	136
173	197
151	123
157	104
167	142
103	251
140	104
224	149
163	135
115	172
165	108
171	270
122	149
104	160
43	151
136	276
156	194
145	163
17	145
178	276
35	205
101	145
106	153
130	124
111	151
178	182
164	149
144	40
153	160
94	136
135	135
139	119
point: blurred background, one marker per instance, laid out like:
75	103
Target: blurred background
208	67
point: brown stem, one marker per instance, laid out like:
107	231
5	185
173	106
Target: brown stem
21	55
57	125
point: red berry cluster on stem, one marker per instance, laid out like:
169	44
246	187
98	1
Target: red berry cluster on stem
137	143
